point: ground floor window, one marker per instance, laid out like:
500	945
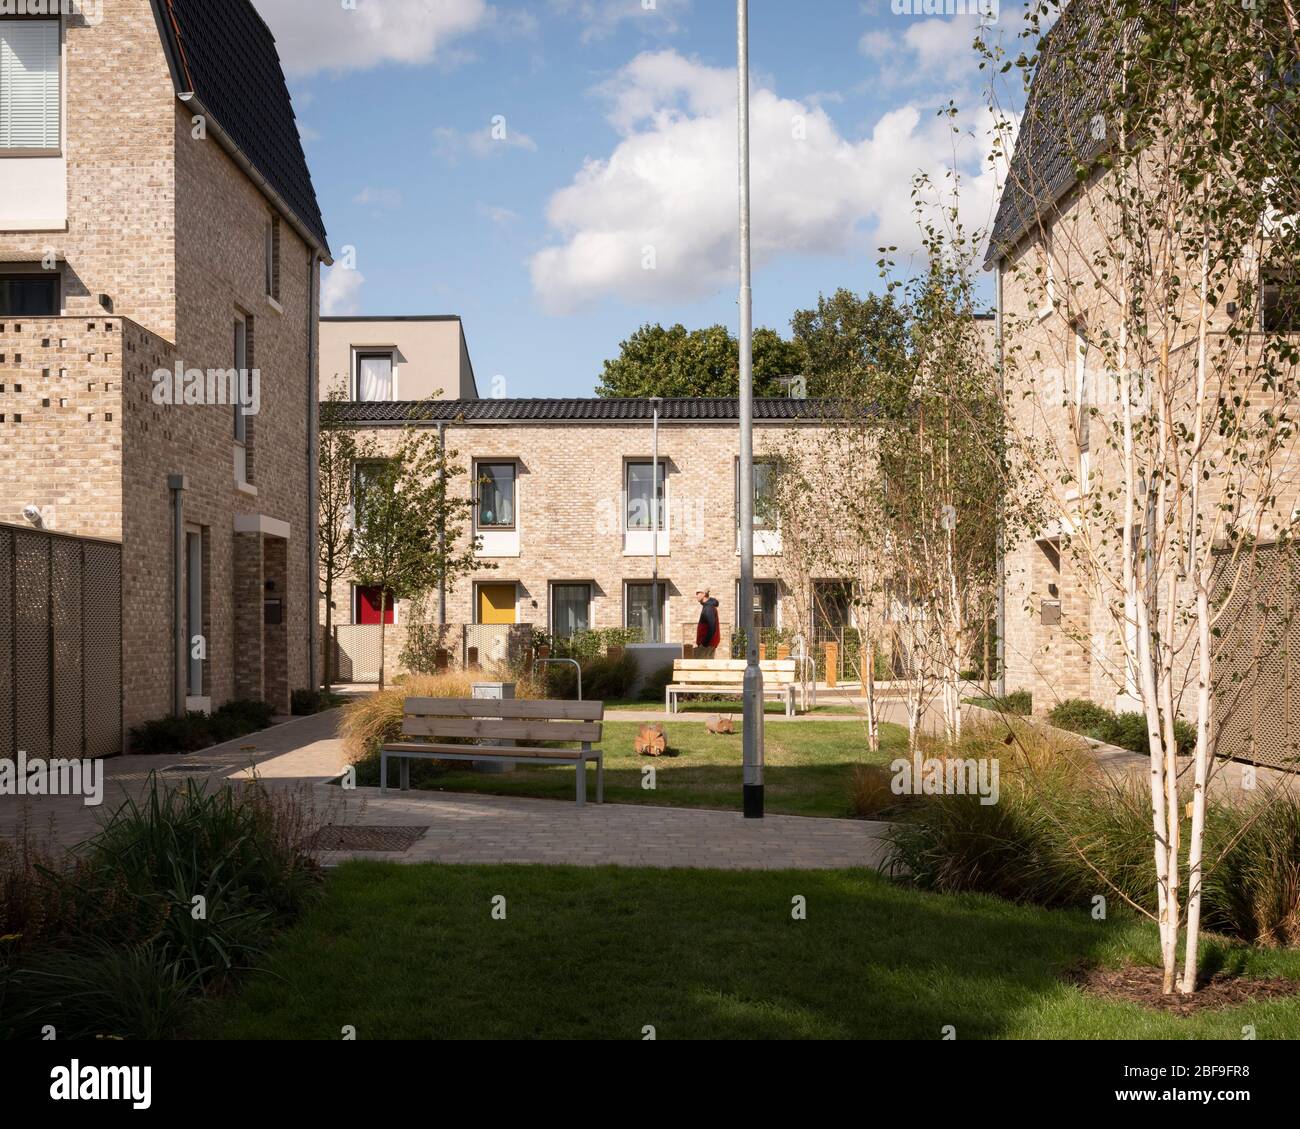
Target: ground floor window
570	609
29	295
766	597
368	603
645	610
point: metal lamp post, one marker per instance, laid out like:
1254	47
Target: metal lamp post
753	709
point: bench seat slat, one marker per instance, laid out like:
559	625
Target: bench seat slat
509	708
487	752
733	664
486	730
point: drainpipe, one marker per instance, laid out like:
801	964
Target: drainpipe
313	486
442	531
655	402
1001	621
178	484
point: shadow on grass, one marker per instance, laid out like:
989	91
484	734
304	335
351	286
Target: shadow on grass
413	952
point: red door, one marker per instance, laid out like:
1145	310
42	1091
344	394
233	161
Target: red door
368	607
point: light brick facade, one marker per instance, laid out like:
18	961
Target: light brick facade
172	231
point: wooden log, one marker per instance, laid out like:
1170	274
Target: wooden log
721	726
652	741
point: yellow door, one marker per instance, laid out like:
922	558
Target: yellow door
496	603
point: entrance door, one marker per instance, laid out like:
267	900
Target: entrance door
496	604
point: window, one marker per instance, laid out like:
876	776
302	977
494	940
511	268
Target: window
1281	303
364	475
765	604
570	609
374	382
241	367
765	515
273	258
367	611
29	295
496	496
644	610
29	86
645	504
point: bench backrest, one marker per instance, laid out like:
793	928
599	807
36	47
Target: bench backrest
726	672
495	719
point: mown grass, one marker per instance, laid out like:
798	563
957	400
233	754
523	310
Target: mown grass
413	952
809	769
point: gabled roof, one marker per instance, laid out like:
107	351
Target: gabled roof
222	52
699	410
1057	137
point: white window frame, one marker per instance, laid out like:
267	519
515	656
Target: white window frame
55	150
651	529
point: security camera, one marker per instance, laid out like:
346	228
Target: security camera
33	514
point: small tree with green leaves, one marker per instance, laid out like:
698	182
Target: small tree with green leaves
409	526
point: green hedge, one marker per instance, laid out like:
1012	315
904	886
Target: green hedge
195	731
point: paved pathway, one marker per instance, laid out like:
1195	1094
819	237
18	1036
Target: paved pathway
305	754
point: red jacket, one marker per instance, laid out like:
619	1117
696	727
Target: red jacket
709	632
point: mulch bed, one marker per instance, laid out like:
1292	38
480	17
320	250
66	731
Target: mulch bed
1141	984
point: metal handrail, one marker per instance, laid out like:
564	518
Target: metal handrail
576	666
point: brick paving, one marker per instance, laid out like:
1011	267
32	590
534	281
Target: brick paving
305	754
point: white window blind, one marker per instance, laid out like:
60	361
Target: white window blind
29	84
375	378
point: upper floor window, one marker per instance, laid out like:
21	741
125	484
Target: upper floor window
645	503
1281	304
374	382
366	476
273	258
496	496
765	512
29	295
29	86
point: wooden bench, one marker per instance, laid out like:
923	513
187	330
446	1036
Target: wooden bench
502	723
727	676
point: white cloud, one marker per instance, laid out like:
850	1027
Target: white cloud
340	291
382	199
603	18
490	141
323	35
502	217
667	196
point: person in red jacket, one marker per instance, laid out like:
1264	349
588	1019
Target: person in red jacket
708	635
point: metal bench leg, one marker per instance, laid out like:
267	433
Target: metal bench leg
789	704
582	783
404	773
383	772
600	779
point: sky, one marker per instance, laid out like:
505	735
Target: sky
560	172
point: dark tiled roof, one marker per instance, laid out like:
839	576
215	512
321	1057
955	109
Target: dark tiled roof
1056	139
580	410
224	53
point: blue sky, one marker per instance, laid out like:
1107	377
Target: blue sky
561	171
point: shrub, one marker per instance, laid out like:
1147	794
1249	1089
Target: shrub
197	731
871	793
1080	716
1019	703
586	646
603	679
1254	893
1123	730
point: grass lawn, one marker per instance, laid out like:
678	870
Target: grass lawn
809	769
412	952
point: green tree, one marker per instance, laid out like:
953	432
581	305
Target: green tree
339	451
408	535
845	340
659	361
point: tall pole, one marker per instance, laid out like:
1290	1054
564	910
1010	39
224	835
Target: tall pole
753	732
657	510
442	528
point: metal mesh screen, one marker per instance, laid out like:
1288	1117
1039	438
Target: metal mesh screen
1255	658
60	645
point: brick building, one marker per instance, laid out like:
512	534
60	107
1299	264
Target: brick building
157	216
565	494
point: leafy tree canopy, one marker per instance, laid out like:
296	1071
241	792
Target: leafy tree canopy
659	361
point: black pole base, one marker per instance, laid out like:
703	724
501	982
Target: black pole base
753	801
